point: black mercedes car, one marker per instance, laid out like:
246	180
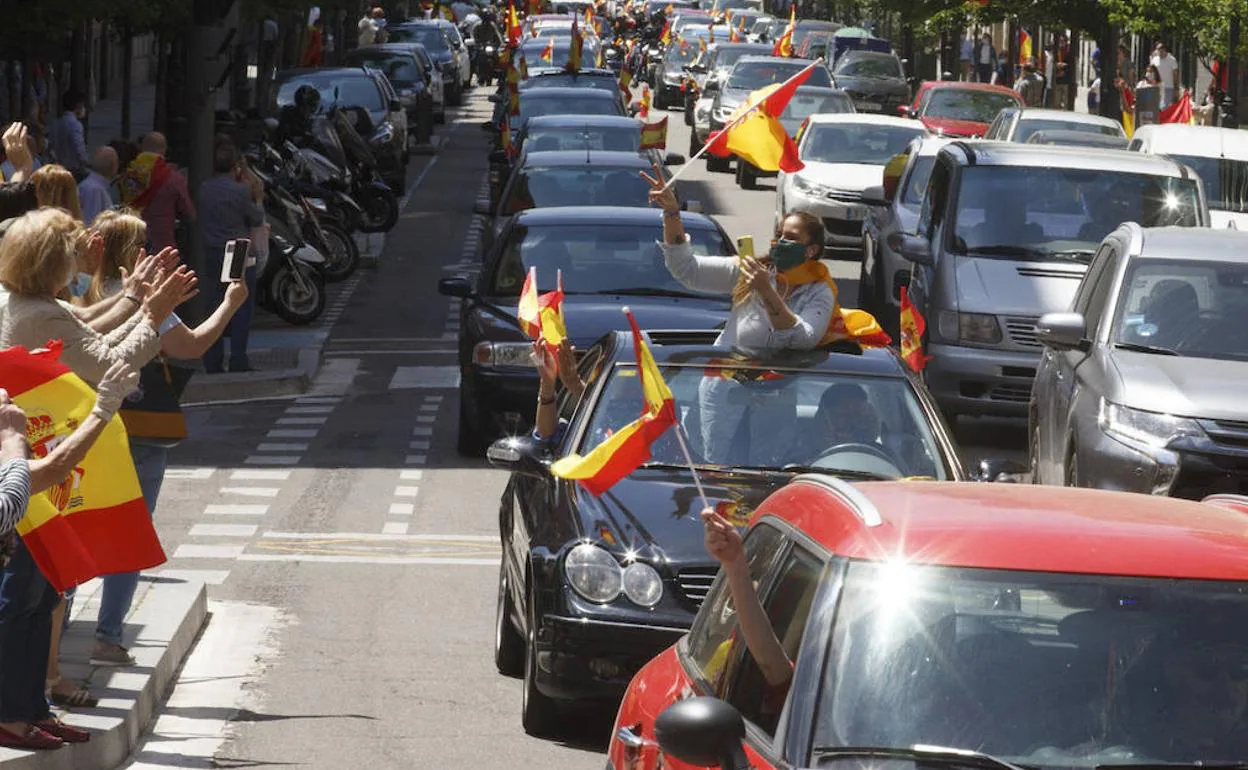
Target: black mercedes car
875	81
609	257
590	588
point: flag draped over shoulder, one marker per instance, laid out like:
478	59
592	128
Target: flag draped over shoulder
94	522
1180	111
629	447
142	178
759	137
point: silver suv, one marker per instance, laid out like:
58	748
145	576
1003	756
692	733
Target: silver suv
1005	234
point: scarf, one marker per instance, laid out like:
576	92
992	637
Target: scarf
142	178
845	323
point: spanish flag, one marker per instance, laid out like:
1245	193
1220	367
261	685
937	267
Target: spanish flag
912	327
1128	111
541	317
666	37
754	132
548	53
504	138
626	78
1179	112
644	109
94	522
574	52
784	46
1024	46
736	35
514	31
513	89
629	447
654	135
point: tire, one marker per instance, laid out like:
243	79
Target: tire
746	177
718	165
538	713
381	210
343	255
468	443
508	642
1072	468
292	302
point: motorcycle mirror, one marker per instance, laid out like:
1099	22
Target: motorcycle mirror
271	124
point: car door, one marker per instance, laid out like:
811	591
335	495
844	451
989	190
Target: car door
394	109
922	289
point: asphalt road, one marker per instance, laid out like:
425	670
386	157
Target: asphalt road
351	552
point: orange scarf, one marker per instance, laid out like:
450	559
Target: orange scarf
845	323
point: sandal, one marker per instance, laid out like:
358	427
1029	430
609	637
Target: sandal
68	733
81	697
34	738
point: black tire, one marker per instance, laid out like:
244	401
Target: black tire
343	255
718	165
468	443
296	304
538	713
746	178
508	642
381	210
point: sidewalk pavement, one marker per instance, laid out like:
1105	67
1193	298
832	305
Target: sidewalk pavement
168	613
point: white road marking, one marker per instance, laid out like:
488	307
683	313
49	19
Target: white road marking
426	419
235	509
273	459
431	561
407	377
212	577
437	399
402	509
300	433
310	410
406	491
224	530
394	528
244	474
419	445
194	551
301	420
418	431
415	459
196	474
411	475
318	399
374	536
251	491
429	407
282	447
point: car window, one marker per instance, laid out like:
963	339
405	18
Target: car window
563	81
916	184
1196	308
534	104
803	105
1099	297
400	69
620	139
869	67
1026	128
1083	296
353	90
753	75
966	104
788	605
932	212
544	187
1225	180
432	38
859	143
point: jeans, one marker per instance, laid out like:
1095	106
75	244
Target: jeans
726	403
26	603
984	72
240	325
118	594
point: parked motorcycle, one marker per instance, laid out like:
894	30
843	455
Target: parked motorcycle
291	281
341	143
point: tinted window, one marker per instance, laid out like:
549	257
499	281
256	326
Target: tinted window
802	106
1198	309
917	183
865	143
576	186
343	90
1028	127
402	70
966	104
431	38
1226	181
751	76
1027	212
535	104
725	58
563	81
624	139
680	54
869	67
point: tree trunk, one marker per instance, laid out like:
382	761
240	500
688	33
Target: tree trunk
105	62
79	58
127	81
160	117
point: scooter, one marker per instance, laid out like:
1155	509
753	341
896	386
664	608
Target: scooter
291	283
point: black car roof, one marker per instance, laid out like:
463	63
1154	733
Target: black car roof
328	71
582	121
607	215
591	72
556	91
614	158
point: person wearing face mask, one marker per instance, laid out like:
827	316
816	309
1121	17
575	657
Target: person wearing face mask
785	300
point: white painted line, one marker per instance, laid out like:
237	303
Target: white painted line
412	187
300	433
419	431
309	410
426	419
429	407
251	491
415	459
318	399
394	528
302	420
408	377
375	536
402	509
192	551
272	459
406	491
419	445
411	475
212	577
244	474
431	561
282	447
437	399
235	509
224	530
196	474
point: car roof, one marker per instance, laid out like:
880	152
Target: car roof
1195	243
861	54
730	46
556	91
1041	113
295	72
866	117
818	24
587	72
1201	141
993	153
929	146
772	60
685	347
585	158
607	215
1011	526
580	121
932	85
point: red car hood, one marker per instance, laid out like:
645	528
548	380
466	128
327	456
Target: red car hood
953	127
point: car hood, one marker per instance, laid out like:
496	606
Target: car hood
843	176
866	85
655	511
1219	219
1188	387
1009	287
953	126
589	316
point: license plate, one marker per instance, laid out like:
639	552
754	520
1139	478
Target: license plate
867	106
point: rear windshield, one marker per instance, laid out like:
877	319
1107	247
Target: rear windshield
619	138
1225	179
430	37
1028	127
754	75
401	69
967	104
869	67
856	142
350	90
576	186
536	103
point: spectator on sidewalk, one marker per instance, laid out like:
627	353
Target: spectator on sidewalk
1125	73
371	26
1031	85
95	193
1063	76
965	56
158	191
55	187
1167	73
69	142
985	59
232	204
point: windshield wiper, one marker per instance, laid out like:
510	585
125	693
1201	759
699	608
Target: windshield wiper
643	291
1008	250
1215	765
802	468
920	754
1079	254
1138	348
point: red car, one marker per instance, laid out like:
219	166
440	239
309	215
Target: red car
953	108
963	625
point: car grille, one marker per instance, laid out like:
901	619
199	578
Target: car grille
1228	433
843	228
1022	331
1013	394
848	196
1202	475
695	583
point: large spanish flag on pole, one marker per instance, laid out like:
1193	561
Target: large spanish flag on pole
94	522
629	447
754	131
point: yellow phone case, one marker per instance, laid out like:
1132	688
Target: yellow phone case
745	245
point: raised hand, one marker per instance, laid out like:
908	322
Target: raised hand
17	151
723	541
660	195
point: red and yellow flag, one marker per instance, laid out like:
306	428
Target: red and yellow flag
735	37
532	8
504	138
514	31
784	46
666	36
701	45
644	109
1024	46
626	79
684	44
912	327
1180	111
94	522
541	317
754	131
574	52
548	53
524	68
654	135
629	447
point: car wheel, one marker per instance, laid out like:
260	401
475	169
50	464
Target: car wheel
508	642
537	712
718	165
469	443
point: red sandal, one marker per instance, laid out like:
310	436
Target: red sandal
67	733
34	739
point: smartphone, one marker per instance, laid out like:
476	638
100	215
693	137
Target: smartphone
235	260
745	245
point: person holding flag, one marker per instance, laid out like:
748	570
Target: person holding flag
784	46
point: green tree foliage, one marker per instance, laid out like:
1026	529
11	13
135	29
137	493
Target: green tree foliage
1200	23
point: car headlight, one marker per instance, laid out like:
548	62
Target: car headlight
515	354
804	185
489	50
1146	430
642	584
979	327
593	573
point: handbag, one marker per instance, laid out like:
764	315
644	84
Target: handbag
153	412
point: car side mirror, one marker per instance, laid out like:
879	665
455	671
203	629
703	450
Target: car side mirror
455	286
518	454
673	159
1001	471
703	732
912	248
874	196
1063	331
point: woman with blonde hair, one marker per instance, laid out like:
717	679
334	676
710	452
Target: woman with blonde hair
122	235
55	187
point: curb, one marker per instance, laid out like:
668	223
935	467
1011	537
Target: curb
246	386
169	615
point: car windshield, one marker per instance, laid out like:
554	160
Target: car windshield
566	80
869	67
618	138
431	38
348	90
576	186
1040	669
913	192
966	104
1193	308
402	70
1025	212
1028	127
739	414
726	57
680	54
753	75
533	49
534	104
1225	179
802	106
866	143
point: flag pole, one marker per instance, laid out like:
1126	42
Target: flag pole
684	447
702	151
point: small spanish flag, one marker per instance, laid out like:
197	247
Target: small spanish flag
912	327
513	89
666	36
701	45
644	109
541	317
514	31
504	138
654	135
574	52
629	447
784	46
736	35
94	522
1128	111
626	78
754	131
548	53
